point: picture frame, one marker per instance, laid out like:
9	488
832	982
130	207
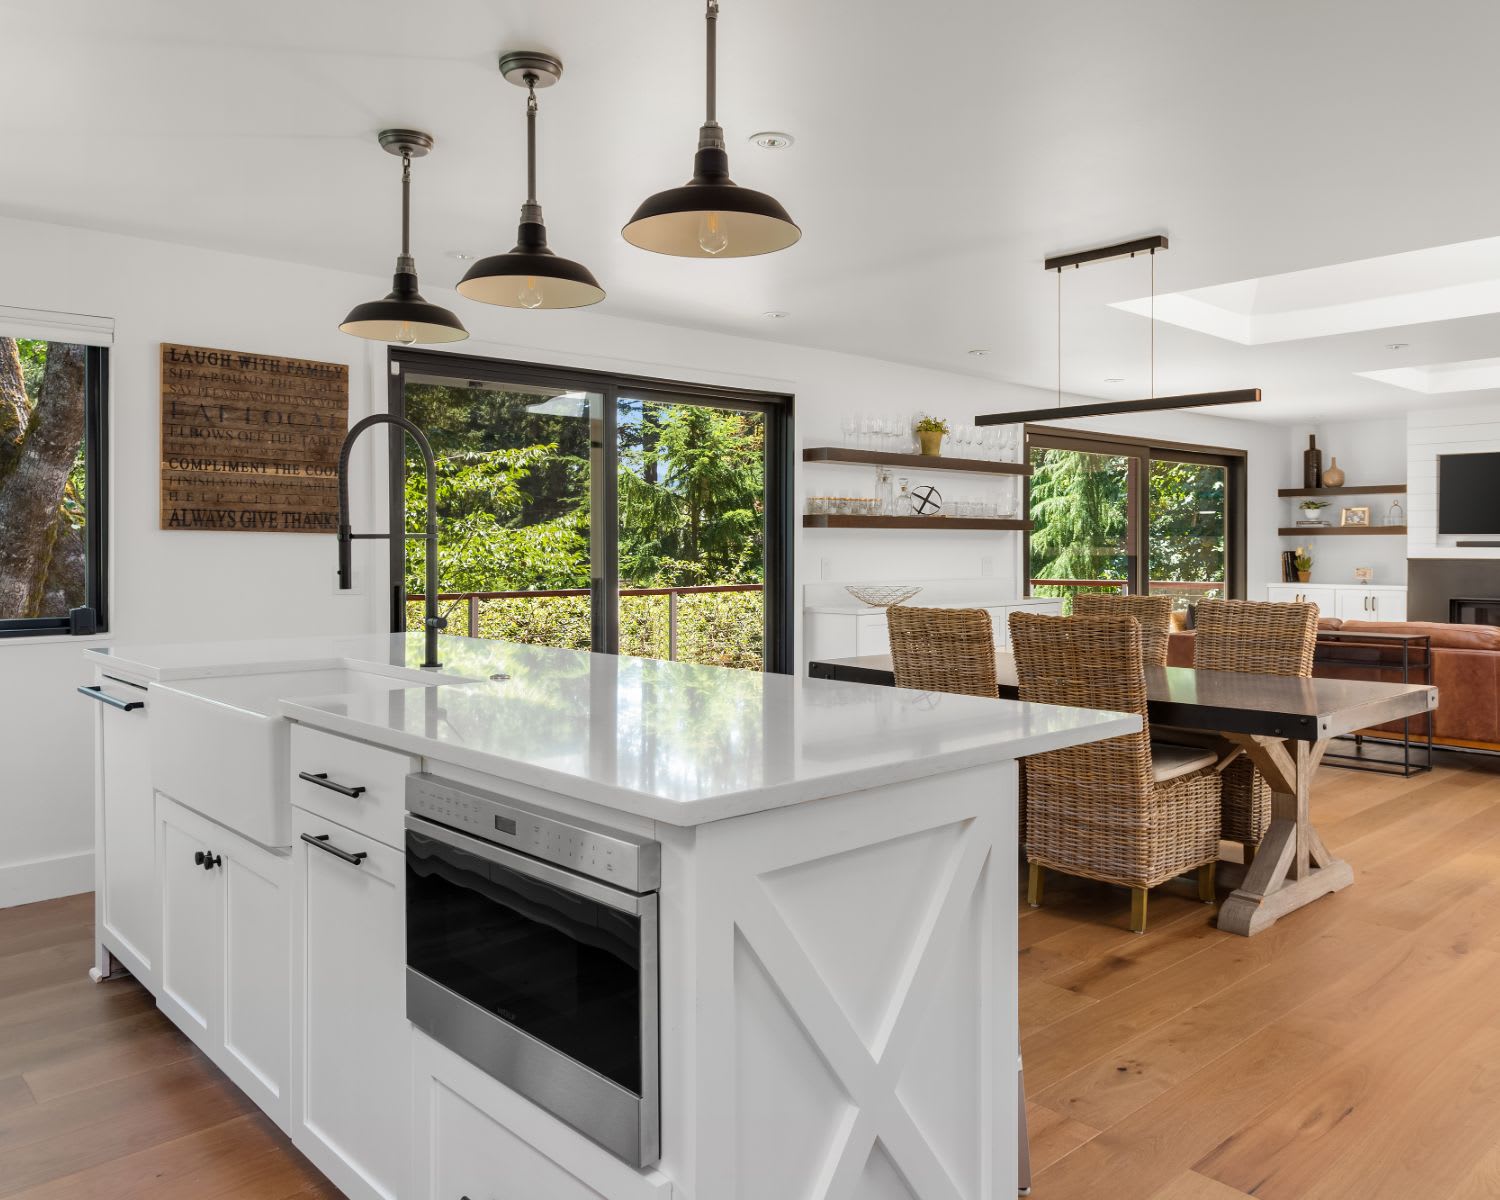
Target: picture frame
1359	515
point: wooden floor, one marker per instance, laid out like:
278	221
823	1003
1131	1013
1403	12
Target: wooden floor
1353	1050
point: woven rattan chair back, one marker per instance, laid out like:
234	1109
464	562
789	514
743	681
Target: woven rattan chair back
943	650
1257	637
1153	613
1085	662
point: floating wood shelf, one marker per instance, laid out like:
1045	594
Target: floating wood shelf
821	521
1342	530
1369	489
923	462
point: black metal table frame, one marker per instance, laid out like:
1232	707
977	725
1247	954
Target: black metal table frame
1333	639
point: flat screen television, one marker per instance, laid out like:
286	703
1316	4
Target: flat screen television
1469	493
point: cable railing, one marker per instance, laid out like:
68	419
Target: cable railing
733	642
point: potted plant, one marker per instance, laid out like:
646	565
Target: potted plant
930	431
1310	510
1304	567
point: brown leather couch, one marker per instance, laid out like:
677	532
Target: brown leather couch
1465	669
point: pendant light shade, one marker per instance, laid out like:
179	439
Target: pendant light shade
711	216
403	316
530	275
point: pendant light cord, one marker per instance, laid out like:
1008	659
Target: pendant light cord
530	138
712	17
405	204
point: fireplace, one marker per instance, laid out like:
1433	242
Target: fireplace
1474	612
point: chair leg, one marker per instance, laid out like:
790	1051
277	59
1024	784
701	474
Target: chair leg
1138	910
1034	885
1206	883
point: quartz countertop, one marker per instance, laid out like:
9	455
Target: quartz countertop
667	741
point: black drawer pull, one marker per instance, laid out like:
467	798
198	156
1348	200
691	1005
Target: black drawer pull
322	780
320	840
207	859
98	693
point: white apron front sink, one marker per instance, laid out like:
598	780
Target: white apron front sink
221	747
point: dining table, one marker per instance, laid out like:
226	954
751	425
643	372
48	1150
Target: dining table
1284	725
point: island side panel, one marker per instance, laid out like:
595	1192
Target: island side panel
850	1023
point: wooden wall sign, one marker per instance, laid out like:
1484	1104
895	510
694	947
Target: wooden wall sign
250	441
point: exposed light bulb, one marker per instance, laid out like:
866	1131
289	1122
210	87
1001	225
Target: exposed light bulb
405	334
711	235
530	296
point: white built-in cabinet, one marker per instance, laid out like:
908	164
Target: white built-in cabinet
125	817
225	966
840	633
351	1043
1356	602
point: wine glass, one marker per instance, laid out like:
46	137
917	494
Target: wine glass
850	427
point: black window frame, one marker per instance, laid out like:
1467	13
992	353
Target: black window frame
92	617
776	408
1149	450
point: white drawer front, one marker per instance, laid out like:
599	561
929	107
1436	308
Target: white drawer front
380	807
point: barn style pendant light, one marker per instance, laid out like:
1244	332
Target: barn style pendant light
403	316
711	216
530	275
1153	403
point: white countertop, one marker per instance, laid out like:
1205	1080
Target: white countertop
667	741
855	608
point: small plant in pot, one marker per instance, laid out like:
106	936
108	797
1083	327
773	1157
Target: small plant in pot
930	432
1304	568
1310	510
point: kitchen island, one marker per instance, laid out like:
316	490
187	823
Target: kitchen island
826	872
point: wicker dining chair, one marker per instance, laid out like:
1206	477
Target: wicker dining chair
1111	810
1154	613
943	650
1260	638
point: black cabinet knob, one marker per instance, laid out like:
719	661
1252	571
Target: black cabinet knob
207	859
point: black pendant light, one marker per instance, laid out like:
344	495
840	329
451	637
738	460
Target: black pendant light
531	275
403	316
711	216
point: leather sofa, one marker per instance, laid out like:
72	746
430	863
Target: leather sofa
1465	670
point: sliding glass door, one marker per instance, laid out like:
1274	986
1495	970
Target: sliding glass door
1115	514
598	512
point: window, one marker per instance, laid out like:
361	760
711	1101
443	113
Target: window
52	487
1122	514
594	511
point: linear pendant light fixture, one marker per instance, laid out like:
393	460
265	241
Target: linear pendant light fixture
711	216
1153	403
403	316
530	275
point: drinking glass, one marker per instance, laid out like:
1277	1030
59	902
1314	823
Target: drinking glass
850	426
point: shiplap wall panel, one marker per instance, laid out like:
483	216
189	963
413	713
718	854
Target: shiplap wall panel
1461	429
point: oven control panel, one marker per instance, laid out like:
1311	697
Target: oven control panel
610	855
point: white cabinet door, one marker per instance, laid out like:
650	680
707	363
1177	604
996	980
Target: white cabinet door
1285	593
255	1033
1387	604
873	633
1354	605
829	635
191	973
126	872
351	1046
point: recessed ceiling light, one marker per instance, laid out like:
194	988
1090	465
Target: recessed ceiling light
775	315
1115	379
980	353
771	139
1397	345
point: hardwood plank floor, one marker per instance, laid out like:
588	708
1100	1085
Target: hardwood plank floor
1352	1050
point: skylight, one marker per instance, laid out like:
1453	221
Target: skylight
1436	379
1439	284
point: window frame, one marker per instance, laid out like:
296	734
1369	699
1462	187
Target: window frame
775	407
91	617
1142	452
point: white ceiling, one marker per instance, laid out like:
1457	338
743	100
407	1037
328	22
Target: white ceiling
942	151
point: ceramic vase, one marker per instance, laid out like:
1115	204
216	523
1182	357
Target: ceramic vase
1334	476
931	441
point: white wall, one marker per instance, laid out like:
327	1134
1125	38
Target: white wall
1368	452
192	586
1462	429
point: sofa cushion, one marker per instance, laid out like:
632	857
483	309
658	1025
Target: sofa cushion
1443	635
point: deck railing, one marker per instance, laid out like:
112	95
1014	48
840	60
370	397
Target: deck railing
1182	591
470	605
